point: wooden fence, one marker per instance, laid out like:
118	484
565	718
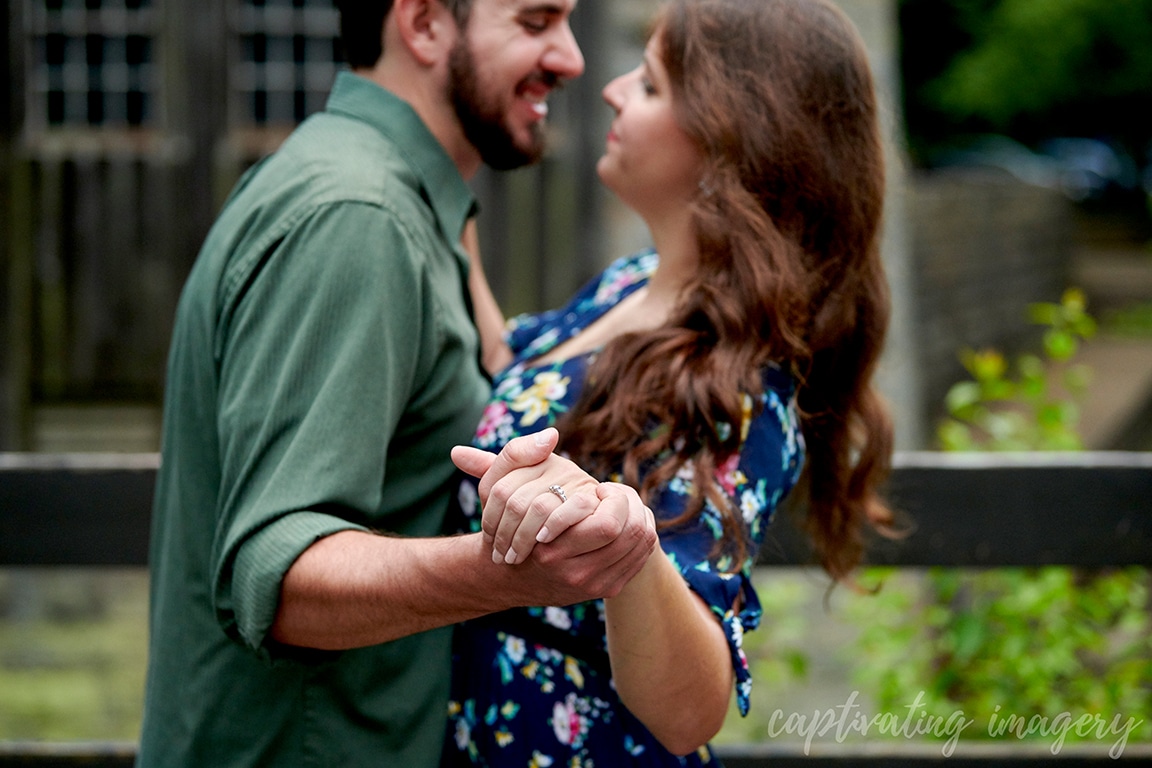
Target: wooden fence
1090	510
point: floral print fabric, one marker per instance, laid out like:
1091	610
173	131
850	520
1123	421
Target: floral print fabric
532	688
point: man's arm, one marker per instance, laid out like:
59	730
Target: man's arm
354	588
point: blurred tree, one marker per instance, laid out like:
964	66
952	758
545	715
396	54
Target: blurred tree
1031	69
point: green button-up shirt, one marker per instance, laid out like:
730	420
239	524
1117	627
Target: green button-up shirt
323	363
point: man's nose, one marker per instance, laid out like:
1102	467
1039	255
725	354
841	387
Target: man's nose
564	57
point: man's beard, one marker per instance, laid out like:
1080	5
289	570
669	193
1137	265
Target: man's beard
482	122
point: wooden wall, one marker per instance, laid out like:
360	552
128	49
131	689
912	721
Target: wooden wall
102	223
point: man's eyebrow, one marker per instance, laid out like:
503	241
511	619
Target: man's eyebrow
552	9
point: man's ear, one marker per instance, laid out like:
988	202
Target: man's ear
426	28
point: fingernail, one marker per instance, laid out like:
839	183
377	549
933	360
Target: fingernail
542	437
510	558
497	557
543	535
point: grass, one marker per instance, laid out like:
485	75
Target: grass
73	651
73	654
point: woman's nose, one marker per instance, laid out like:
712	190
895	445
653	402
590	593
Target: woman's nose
613	92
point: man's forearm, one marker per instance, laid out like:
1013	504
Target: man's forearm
353	589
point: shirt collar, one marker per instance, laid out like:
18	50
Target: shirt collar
451	200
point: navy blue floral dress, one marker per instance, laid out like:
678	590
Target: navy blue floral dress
532	687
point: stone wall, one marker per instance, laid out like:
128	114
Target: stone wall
983	248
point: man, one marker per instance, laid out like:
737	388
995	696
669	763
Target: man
323	364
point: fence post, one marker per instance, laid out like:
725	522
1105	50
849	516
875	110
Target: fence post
899	375
14	247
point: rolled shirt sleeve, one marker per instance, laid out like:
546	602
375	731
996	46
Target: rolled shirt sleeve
315	372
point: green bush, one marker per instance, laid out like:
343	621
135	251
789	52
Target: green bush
1026	644
1030	643
1039	407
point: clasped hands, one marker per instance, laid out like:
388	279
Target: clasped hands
605	523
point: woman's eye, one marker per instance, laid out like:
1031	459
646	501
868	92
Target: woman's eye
646	84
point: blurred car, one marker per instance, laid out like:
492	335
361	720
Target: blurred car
1003	155
1079	168
1092	168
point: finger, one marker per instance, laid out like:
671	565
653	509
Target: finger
565	516
599	555
515	517
625	556
520	452
512	501
542	510
636	505
597	530
547	513
598	573
606	489
620	515
472	460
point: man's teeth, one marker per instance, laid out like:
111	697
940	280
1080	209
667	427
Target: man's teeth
541	108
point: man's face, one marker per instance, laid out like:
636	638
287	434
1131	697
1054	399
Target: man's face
510	57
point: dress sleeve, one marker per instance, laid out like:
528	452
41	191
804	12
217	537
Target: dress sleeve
756	479
599	293
521	330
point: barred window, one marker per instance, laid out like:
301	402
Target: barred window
91	62
288	55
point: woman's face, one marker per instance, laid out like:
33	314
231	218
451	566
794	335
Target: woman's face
649	161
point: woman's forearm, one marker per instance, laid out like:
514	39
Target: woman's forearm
489	318
670	659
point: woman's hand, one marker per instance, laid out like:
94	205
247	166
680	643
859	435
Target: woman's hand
529	494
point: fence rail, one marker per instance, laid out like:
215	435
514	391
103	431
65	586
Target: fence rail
122	754
1090	509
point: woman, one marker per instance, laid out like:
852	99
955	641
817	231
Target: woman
704	373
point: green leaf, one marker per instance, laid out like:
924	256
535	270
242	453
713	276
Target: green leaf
954	436
1074	303
1044	313
999	389
962	396
987	365
1059	345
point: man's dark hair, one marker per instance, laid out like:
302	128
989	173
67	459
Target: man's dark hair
362	27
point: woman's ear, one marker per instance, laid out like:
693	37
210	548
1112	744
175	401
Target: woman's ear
426	28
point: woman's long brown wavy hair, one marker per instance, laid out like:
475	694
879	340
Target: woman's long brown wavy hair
779	95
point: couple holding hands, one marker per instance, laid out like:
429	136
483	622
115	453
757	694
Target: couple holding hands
337	580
